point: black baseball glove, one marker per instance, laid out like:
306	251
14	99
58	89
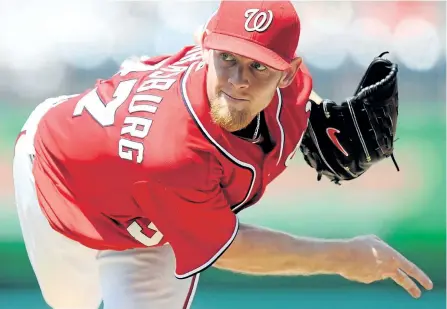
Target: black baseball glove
343	141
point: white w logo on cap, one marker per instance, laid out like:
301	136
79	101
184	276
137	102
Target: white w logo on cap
261	21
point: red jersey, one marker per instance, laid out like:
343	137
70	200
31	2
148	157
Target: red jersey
137	161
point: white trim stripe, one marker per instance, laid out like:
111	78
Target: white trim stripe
278	114
208	135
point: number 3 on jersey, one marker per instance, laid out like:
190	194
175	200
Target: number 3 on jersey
104	114
136	231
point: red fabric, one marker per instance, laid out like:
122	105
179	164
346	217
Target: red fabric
114	171
266	31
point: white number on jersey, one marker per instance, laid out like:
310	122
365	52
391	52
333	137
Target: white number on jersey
104	114
136	231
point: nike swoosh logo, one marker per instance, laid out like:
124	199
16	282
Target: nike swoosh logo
331	133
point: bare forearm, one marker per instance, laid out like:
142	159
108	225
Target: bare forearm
261	251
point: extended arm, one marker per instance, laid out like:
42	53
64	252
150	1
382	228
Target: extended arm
260	251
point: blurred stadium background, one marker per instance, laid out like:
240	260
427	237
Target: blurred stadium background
60	47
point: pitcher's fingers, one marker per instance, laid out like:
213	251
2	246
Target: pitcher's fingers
404	281
412	270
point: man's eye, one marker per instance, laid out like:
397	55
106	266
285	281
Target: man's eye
226	57
258	66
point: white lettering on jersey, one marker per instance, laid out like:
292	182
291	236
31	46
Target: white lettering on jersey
159	84
144	107
138	126
171	68
141	101
194	50
159	74
104	113
126	148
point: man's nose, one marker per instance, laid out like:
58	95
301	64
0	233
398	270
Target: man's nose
239	77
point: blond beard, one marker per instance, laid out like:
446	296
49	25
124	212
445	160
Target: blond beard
229	119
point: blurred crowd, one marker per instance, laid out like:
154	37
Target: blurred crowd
56	47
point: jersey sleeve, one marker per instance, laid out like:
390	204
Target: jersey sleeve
195	220
304	84
302	90
304	69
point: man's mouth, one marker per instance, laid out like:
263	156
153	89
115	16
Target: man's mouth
232	98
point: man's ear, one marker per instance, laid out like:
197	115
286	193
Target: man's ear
289	75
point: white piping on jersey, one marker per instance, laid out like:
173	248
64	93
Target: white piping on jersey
278	113
214	257
229	155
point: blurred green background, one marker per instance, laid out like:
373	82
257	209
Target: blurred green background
406	208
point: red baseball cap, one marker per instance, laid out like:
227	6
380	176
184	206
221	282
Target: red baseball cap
266	31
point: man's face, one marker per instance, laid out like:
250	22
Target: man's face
238	89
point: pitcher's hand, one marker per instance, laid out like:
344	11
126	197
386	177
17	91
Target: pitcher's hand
371	259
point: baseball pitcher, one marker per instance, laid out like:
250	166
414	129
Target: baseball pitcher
127	191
